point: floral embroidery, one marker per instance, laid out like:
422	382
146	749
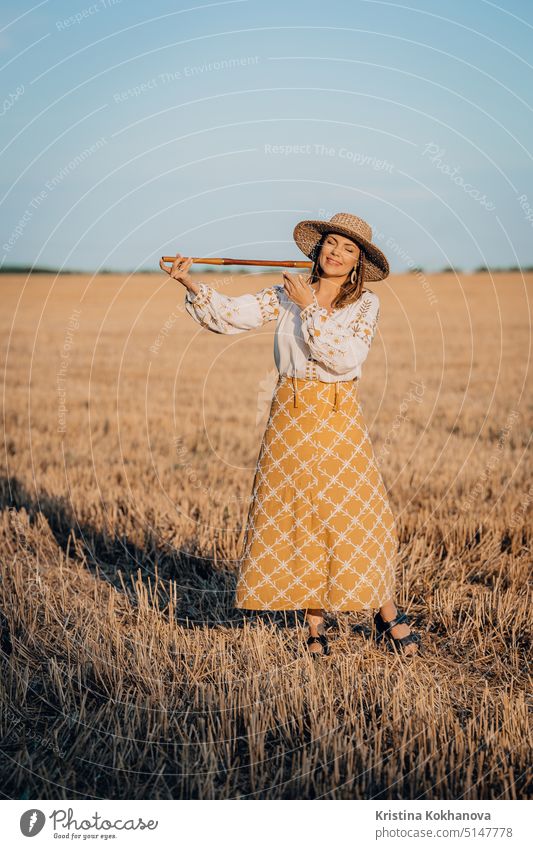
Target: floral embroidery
309	342
201	298
225	314
308	310
364	325
268	303
339	345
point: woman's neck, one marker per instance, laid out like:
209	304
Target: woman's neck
328	287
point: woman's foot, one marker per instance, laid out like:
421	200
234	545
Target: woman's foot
400	633
317	642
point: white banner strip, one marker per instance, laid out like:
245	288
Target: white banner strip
257	826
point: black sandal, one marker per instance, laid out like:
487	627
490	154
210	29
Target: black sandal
383	629
323	640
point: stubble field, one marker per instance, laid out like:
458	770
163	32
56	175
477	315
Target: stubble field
130	436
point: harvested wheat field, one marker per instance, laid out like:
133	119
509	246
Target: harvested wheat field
130	438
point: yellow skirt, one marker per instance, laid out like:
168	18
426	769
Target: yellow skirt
319	531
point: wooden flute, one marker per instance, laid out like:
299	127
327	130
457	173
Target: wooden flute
223	260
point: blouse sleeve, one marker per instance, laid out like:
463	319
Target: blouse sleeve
341	347
224	314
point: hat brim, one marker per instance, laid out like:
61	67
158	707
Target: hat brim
307	235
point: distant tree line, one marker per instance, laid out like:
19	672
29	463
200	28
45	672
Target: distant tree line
449	269
215	269
40	269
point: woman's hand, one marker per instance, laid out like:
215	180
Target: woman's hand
298	289
179	270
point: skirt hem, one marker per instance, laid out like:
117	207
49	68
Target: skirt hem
315	605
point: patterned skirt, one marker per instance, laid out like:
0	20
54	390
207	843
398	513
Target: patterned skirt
320	532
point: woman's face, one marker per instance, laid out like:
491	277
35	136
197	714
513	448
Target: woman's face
338	255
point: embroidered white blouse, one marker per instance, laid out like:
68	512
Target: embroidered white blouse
307	342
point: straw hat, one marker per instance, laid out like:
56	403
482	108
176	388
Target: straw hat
307	235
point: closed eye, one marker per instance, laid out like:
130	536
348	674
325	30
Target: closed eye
348	248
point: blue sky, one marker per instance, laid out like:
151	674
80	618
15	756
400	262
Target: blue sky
133	129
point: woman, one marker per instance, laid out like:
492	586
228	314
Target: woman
320	532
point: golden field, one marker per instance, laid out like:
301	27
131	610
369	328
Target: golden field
129	442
